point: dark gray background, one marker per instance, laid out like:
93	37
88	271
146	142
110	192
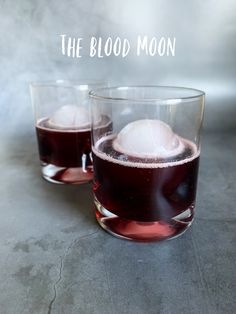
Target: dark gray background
205	49
53	256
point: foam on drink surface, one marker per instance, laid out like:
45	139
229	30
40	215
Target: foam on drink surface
146	144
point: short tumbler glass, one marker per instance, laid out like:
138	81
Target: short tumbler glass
63	128
146	165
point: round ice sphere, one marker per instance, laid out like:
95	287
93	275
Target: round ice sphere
70	116
148	139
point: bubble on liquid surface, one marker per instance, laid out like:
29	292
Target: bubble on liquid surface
148	139
70	116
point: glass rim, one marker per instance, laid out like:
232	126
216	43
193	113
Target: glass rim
65	83
94	94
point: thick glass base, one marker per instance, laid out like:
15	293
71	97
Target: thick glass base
61	175
143	231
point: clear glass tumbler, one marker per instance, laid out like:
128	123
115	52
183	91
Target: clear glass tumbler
63	128
146	166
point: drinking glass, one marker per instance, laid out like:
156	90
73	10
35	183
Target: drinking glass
146	165
62	122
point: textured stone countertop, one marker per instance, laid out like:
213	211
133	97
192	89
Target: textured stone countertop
56	259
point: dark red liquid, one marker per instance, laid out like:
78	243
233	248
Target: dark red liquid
144	194
65	148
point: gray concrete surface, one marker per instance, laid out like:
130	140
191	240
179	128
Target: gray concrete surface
54	258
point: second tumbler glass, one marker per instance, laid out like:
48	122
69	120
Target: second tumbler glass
62	121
